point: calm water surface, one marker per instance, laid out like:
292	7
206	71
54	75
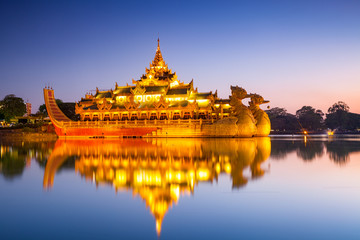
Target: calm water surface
181	189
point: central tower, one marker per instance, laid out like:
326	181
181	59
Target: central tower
158	73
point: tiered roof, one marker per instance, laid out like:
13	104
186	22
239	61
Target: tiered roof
158	73
158	79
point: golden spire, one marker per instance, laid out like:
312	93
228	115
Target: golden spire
158	59
158	73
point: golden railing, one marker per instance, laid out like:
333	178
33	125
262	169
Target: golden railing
135	123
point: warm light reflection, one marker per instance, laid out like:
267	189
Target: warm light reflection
160	170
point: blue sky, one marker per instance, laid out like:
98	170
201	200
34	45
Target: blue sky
293	53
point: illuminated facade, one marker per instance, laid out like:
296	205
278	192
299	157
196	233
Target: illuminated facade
160	105
159	170
158	94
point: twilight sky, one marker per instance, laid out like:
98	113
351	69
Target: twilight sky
293	53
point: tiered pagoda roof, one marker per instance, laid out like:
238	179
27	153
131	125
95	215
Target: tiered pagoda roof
158	73
157	80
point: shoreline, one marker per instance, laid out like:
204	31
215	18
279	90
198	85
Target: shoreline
17	134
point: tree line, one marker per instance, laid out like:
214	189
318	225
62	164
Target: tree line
338	118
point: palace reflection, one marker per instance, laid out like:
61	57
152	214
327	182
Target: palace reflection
160	170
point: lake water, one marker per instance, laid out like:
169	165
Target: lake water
264	188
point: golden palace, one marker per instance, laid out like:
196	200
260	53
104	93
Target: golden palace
160	105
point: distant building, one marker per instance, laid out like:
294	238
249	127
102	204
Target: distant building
28	109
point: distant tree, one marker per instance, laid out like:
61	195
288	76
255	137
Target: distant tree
42	109
310	118
353	121
339	106
281	120
339	117
276	112
12	106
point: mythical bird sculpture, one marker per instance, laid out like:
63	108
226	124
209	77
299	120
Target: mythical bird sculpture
245	120
262	119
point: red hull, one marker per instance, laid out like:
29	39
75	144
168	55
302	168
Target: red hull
103	132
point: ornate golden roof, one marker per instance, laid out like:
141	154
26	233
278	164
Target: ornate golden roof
158	61
158	72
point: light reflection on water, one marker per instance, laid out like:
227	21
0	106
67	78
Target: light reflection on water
161	172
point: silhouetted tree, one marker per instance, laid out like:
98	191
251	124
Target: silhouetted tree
353	121
310	118
338	117
281	120
12	106
339	106
276	112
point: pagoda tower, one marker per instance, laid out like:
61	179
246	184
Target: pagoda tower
158	73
